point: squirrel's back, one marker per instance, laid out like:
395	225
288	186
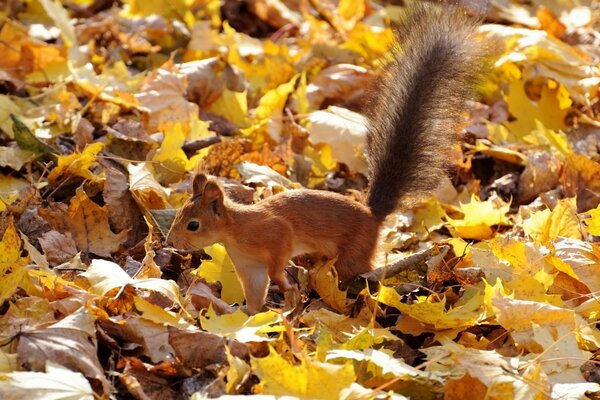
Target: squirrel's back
418	103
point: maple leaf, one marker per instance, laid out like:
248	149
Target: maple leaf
12	265
77	164
324	279
309	379
546	226
432	310
240	326
479	217
88	224
70	342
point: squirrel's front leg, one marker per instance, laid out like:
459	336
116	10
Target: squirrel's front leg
254	279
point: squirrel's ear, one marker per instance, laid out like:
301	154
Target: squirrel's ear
214	197
198	184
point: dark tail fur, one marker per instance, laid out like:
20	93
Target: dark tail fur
418	103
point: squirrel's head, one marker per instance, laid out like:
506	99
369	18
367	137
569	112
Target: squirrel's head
202	220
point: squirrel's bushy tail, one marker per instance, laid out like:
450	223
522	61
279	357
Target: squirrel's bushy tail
418	103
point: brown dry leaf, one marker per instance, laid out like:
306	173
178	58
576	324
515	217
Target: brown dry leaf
580	175
70	342
202	297
123	211
88	223
58	247
163	94
540	175
153	338
206	80
197	349
25	314
141	382
339	84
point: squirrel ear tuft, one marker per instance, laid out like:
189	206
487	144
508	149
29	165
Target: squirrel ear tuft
198	184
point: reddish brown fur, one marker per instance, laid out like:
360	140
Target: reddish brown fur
410	128
263	237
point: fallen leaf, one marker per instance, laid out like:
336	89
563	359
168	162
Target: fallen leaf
88	224
77	164
309	379
56	383
70	342
221	269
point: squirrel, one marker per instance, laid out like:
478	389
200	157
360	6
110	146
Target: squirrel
413	121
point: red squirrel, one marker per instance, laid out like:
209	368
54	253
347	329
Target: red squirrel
412	122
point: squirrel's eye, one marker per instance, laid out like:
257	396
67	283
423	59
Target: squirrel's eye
193	226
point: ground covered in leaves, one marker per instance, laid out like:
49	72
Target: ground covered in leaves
492	284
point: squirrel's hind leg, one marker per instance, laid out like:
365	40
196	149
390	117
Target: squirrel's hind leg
353	262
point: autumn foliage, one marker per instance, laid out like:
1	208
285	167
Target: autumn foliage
487	289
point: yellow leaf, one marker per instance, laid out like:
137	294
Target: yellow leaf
369	42
351	11
324	280
322	160
157	314
10	281
171	9
546	226
12	265
172	160
233	106
382	364
593	223
239	326
542	328
9	189
221	269
556	142
366	338
479	217
268	68
433	312
274	100
428	216
77	164
546	110
310	379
